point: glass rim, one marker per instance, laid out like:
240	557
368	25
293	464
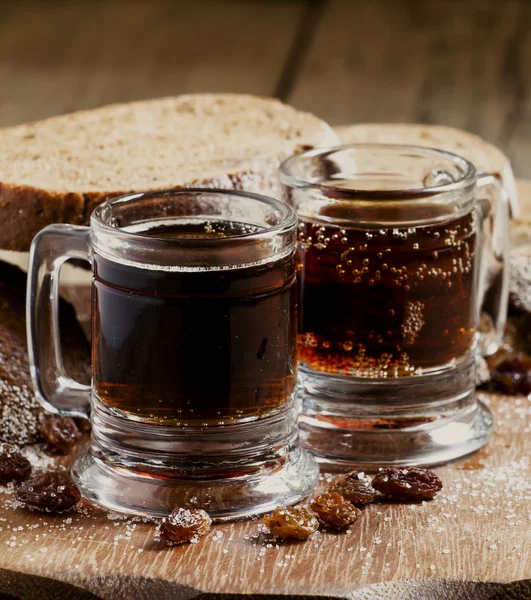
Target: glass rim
288	217
467	178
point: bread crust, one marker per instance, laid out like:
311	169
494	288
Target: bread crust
25	210
89	161
485	156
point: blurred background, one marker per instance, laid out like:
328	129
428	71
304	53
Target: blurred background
465	63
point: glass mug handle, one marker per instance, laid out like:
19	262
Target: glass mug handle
55	390
494	268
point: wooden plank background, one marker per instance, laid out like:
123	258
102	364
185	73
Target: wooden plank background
465	63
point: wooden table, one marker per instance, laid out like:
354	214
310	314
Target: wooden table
465	64
477	529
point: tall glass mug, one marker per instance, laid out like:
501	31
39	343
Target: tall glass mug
394	259
194	363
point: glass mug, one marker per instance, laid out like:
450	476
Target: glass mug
194	367
395	265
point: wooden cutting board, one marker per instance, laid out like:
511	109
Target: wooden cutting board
477	529
475	533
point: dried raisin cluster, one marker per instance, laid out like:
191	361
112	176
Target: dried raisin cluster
335	511
59	433
13	466
337	507
512	375
52	492
291	522
354	486
184	525
409	484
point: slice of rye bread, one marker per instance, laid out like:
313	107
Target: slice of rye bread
520	278
19	408
484	156
58	170
520	254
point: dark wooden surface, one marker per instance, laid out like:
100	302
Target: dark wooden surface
465	63
477	529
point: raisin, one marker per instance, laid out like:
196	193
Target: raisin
410	483
334	511
291	522
52	492
13	466
59	433
512	375
82	424
185	525
354	486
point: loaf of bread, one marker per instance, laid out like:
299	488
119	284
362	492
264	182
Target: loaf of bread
59	169
520	254
484	156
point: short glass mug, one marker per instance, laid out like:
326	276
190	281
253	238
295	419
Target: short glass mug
395	265
193	395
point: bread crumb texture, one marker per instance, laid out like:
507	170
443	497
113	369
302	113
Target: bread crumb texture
58	170
153	144
484	156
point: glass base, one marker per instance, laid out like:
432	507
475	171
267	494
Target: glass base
358	423
232	471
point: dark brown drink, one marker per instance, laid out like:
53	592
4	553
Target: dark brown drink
198	347
386	302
